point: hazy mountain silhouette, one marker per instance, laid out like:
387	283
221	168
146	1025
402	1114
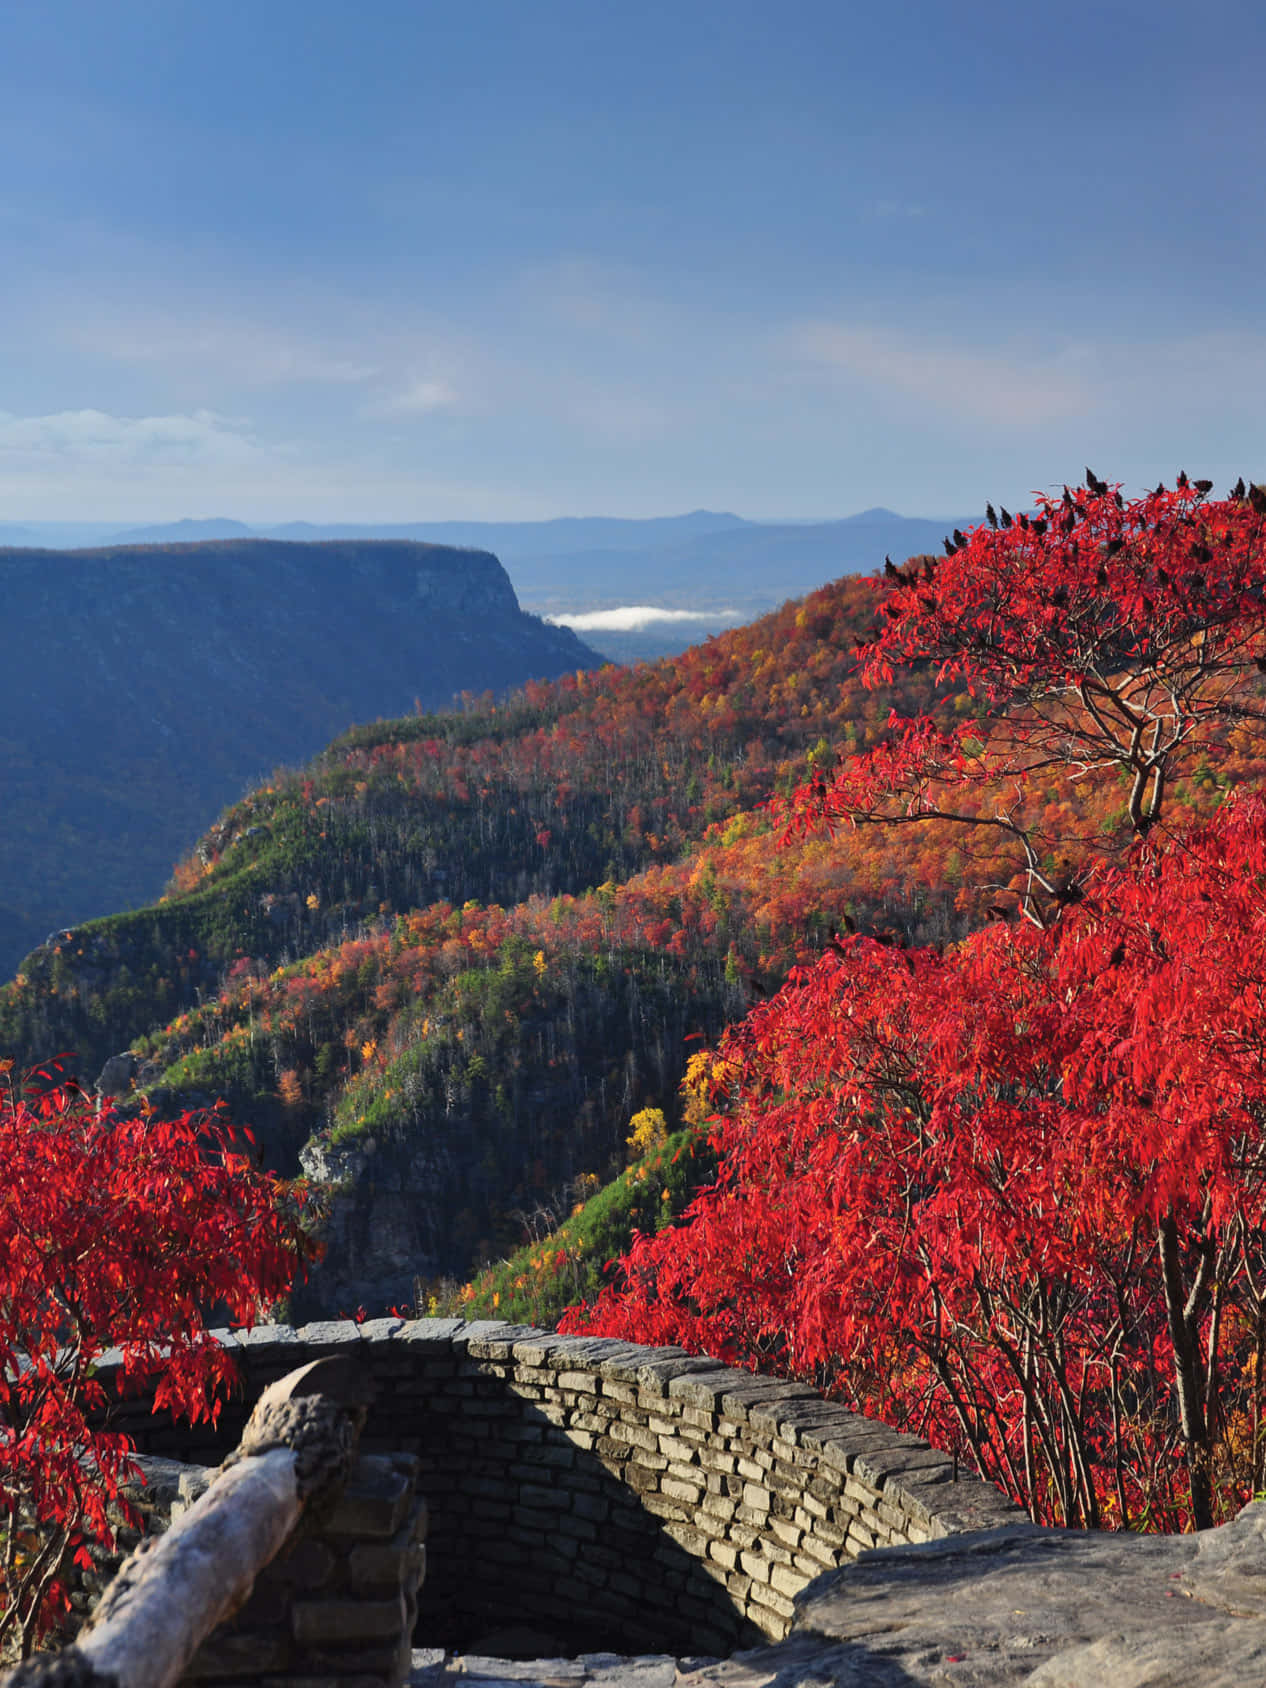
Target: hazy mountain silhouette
560	536
143	688
184	532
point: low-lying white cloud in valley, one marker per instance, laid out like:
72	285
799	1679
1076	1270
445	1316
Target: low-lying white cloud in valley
636	618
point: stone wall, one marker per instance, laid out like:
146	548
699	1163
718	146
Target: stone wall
340	1603
614	1496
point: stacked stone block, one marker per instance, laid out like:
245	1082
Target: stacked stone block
338	1606
631	1498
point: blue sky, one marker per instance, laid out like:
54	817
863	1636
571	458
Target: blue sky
421	259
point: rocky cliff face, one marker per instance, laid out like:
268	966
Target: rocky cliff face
467	592
144	687
387	1221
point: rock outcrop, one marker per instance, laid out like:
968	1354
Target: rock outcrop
1010	1608
1021	1605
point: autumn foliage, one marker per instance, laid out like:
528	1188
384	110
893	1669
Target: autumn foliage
115	1232
1012	1192
1002	1187
1110	643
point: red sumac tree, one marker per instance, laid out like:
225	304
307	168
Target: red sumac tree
1013	1193
1108	642
122	1233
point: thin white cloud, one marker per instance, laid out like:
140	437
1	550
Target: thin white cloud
623	417
309	342
634	618
91	435
257	354
1215	372
601	301
100	469
418	398
1008	390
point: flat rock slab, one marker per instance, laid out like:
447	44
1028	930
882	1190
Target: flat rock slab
590	1670
996	1609
1045	1608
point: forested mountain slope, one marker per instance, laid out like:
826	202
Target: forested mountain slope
442	966
344	952
142	688
561	788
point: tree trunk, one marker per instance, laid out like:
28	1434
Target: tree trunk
1195	1425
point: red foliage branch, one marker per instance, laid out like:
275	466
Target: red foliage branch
1014	1194
1106	637
114	1233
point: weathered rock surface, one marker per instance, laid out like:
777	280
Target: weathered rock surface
432	1668
1046	1608
997	1609
1051	1607
117	1075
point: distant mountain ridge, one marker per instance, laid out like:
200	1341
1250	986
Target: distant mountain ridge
143	688
753	568
558	536
185	532
705	559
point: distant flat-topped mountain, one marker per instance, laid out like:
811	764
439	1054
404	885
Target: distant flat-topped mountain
717	566
143	688
705	559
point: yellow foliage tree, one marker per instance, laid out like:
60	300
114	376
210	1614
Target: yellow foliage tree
647	1130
